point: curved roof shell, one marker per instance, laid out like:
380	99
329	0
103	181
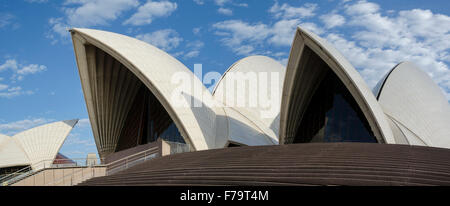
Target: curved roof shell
343	70
241	88
154	68
241	130
217	121
11	153
416	107
37	146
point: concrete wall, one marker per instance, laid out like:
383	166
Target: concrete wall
62	176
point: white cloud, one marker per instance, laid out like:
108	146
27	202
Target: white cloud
284	31
19	74
37	1
373	42
74	139
291	17
196	30
165	39
362	7
241	5
96	12
248	39
31	69
332	20
241	36
77	136
59	26
246	50
225	11
20	71
193	49
241	31
287	11
84	123
312	27
150	10
21	125
9	64
3	87
199	2
86	13
379	42
5	19
221	2
14	92
191	54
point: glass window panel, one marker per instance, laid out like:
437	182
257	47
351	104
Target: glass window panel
333	115
146	122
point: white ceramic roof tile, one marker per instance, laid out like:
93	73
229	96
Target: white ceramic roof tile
411	98
35	145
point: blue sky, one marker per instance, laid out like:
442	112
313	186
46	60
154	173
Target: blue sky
39	80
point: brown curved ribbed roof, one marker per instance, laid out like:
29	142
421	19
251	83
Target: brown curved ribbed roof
295	164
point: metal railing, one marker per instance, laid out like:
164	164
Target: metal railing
81	164
111	168
19	174
74	177
137	158
131	160
42	165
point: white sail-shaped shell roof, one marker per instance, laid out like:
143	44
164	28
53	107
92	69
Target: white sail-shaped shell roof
416	106
11	153
155	69
217	123
37	146
252	77
345	72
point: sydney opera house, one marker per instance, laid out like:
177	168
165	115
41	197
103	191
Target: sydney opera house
328	128
128	91
322	99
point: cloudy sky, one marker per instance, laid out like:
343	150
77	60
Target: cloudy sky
39	81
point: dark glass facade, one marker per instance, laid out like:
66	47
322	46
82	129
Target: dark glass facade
332	115
147	121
